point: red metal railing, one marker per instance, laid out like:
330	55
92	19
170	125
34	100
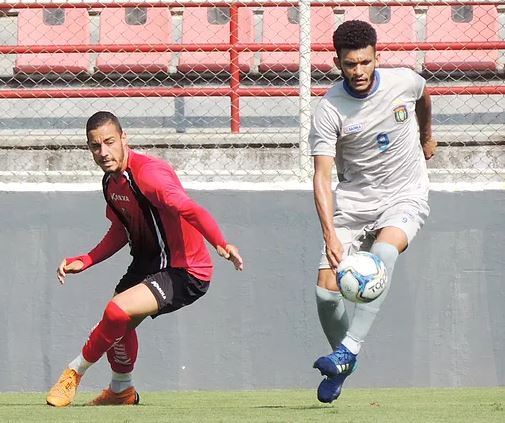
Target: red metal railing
260	3
234	48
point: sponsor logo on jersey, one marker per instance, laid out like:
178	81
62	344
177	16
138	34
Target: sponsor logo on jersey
158	288
354	128
119	197
401	113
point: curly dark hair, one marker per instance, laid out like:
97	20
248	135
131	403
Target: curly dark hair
100	119
354	35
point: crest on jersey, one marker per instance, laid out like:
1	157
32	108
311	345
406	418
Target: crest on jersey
401	113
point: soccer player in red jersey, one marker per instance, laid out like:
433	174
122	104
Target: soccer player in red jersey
171	266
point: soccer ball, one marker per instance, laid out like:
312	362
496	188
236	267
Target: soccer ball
361	277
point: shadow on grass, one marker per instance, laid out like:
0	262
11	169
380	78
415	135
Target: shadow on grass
295	407
23	404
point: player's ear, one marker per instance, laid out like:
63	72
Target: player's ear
336	60
124	138
377	58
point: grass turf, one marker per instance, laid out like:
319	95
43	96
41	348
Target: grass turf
410	405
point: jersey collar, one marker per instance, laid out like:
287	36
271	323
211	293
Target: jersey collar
375	87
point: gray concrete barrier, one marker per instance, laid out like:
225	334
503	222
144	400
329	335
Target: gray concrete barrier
442	324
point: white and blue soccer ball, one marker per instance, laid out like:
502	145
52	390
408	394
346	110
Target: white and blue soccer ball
361	277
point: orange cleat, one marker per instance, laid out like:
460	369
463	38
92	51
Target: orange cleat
63	391
127	397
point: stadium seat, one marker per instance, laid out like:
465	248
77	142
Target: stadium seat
281	25
460	24
151	25
206	25
394	24
52	27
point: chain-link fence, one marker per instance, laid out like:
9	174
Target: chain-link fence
224	90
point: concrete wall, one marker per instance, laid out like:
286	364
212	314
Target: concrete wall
442	325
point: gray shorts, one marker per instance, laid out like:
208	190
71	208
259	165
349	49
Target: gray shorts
409	216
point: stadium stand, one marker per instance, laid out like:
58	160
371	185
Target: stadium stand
52	27
135	26
211	25
282	25
259	111
461	24
393	24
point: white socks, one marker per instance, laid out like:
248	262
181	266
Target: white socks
120	381
79	364
353	345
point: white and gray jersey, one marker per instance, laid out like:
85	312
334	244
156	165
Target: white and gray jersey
375	142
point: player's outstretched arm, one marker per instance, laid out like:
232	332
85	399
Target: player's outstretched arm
230	252
161	186
112	242
74	266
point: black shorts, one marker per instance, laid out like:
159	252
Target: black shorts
173	288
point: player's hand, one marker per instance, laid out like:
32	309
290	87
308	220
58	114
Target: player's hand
334	252
231	253
64	268
429	148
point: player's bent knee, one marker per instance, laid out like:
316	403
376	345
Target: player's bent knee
114	313
137	301
393	236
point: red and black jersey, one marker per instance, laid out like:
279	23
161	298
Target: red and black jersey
149	209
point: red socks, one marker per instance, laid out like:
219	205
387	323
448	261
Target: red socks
109	331
123	354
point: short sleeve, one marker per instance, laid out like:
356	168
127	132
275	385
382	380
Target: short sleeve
419	84
324	131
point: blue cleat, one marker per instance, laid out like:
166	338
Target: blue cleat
339	362
330	388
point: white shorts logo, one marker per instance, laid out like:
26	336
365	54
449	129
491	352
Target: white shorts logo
158	288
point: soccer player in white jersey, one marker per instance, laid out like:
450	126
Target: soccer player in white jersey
375	126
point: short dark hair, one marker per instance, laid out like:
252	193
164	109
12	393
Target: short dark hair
100	119
354	35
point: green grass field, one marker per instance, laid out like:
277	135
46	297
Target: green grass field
354	406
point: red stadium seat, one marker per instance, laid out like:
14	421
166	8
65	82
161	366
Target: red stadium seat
460	24
394	24
52	27
211	25
151	25
281	25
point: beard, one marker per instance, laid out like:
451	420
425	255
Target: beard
360	91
